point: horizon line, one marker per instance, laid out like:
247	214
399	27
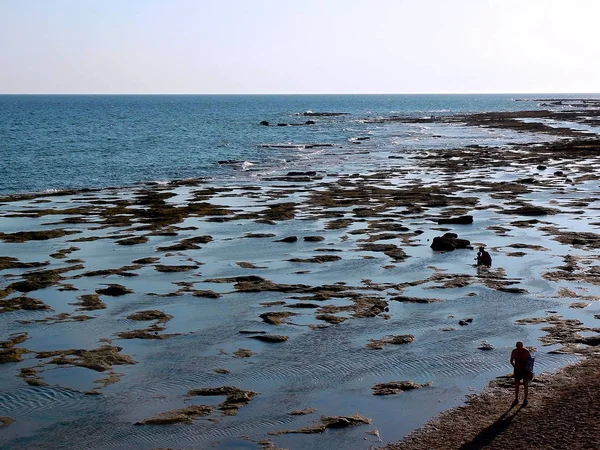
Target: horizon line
305	93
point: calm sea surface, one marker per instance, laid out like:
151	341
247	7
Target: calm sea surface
81	141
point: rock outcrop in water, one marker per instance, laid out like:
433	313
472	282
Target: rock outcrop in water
449	242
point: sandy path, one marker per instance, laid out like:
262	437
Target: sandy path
563	413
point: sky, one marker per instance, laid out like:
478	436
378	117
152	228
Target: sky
299	46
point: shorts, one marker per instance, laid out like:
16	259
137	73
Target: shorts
522	375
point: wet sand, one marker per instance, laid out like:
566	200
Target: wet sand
562	413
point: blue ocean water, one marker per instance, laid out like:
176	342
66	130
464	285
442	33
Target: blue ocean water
94	141
57	142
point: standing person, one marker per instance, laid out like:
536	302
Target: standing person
518	359
483	257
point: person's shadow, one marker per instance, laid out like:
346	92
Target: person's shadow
488	434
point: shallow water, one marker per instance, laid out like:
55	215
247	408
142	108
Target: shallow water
330	368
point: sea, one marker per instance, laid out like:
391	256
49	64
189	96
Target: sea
102	148
54	142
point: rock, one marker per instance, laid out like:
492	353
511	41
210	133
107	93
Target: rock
330	318
302	412
314	238
183	415
530	211
5	421
11	355
590	340
265	123
329	422
485	345
273	338
448	242
99	359
310	122
405	299
89	302
206	294
14	339
22	303
236	397
310	173
168	269
465	322
148	260
243	353
114	290
344	421
397	387
540	167
152	314
320	259
379	344
462	220
289	239
133	240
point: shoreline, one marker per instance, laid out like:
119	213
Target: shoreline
563	412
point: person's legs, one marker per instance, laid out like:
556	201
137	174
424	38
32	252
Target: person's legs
525	389
516	391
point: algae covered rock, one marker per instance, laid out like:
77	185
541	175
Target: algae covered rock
397	387
22	303
114	290
183	415
152	314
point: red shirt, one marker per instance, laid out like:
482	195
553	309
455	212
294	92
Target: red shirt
520	357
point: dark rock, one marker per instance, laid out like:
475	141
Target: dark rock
288	239
405	299
114	290
530	211
265	123
529	180
448	242
270	338
320	259
462	220
310	173
310	122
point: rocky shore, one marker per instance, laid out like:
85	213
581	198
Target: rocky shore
524	197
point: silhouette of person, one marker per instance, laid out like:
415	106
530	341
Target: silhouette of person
519	358
483	257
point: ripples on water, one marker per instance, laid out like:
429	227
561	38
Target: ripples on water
64	141
87	141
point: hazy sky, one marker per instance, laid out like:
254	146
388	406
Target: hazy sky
299	46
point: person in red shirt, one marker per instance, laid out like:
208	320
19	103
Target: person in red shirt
519	359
